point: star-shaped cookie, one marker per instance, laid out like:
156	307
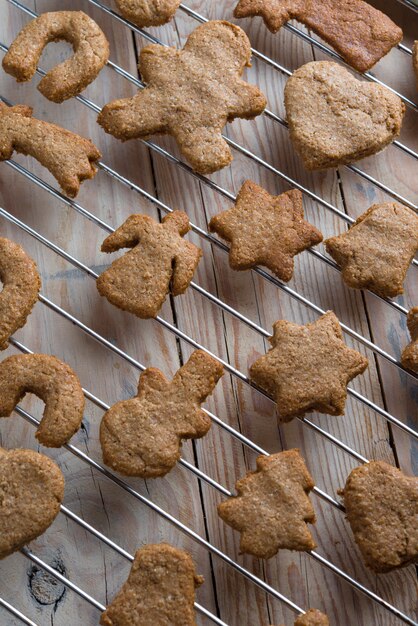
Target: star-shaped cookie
272	507
375	253
265	230
382	508
191	94
308	368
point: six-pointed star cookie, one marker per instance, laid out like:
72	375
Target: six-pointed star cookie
308	368
382	508
376	251
266	230
358	31
272	507
191	94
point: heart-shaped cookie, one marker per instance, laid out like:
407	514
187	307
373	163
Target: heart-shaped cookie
335	118
382	508
31	491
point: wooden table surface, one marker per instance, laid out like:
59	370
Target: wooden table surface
85	560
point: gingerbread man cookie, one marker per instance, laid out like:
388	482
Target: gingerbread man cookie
31	492
69	157
148	12
336	119
191	94
265	230
161	262
272	507
382	508
160	590
375	253
21	285
142	436
55	383
308	368
409	356
361	34
69	78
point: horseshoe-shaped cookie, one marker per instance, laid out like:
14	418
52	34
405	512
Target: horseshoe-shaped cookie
55	383
31	491
21	284
69	157
69	78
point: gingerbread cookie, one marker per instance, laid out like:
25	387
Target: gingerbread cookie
69	78
191	94
376	251
31	492
69	157
308	368
161	262
142	436
312	617
21	285
265	230
148	12
409	356
336	119
382	508
415	59
272	507
361	34
160	590
52	381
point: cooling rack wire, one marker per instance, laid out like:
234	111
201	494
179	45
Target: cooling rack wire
392	419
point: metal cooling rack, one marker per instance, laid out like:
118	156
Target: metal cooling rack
178	333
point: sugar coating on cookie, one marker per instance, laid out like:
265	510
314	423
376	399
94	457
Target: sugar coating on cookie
148	12
21	285
361	34
409	356
335	119
382	509
375	253
272	507
54	382
31	491
191	94
312	617
142	436
69	157
160	262
160	590
265	230
69	78
308	368
415	59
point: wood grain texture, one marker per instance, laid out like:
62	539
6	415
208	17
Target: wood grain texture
84	559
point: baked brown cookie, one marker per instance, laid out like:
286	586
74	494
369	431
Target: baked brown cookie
69	157
31	492
69	78
382	508
308	368
54	382
142	436
376	251
361	34
409	356
312	617
148	12
336	119
415	59
160	590
21	285
272	507
265	230
161	262
191	94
